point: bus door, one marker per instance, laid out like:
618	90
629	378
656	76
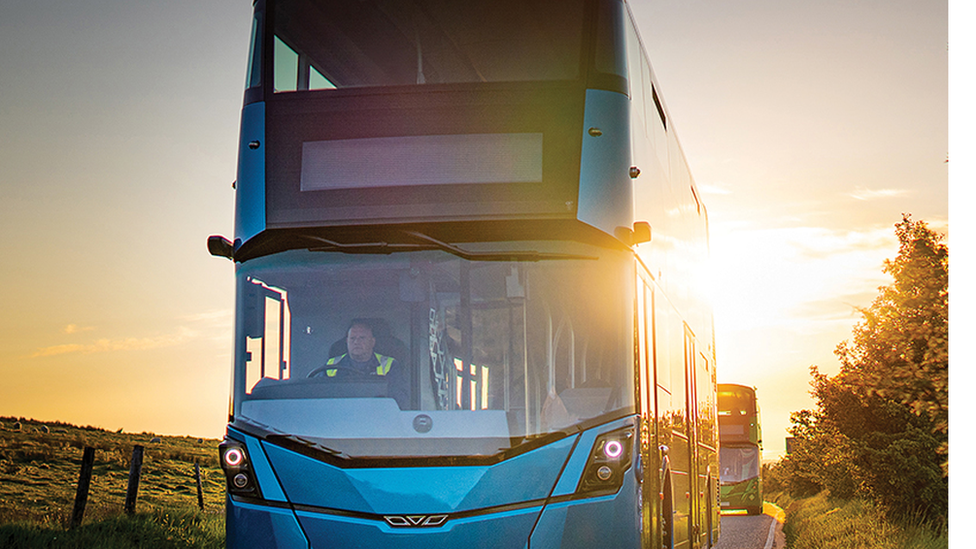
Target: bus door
691	412
648	406
707	449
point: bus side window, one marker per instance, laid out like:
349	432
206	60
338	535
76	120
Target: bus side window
706	404
635	65
662	348
645	347
676	346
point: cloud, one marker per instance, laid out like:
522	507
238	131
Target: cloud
219	317
714	188
123	344
939	225
860	193
822	244
839	307
214	325
798	276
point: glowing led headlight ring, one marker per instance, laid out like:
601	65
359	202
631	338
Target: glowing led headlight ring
234	457
613	449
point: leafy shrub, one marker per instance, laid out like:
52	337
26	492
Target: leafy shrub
879	430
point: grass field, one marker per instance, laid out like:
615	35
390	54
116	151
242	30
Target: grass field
820	522
39	468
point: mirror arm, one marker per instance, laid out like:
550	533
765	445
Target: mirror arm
220	247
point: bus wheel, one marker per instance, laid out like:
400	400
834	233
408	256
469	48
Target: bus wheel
708	510
667	516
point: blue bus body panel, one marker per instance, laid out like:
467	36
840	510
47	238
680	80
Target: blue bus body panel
262	526
577	462
250	216
606	192
612	520
609	521
420	490
501	506
503	530
270	489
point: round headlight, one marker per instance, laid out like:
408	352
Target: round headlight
234	457
241	480
613	449
604	473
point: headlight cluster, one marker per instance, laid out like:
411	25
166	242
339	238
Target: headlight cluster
240	477
609	459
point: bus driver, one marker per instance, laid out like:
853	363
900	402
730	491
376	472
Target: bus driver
361	361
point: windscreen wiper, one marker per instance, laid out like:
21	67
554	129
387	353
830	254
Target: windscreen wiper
514	255
361	247
429	242
303	445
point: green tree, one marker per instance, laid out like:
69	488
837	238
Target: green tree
880	429
823	455
900	350
868	446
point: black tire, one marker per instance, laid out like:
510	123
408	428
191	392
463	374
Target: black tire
708	512
667	516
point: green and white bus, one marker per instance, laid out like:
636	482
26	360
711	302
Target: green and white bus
740	448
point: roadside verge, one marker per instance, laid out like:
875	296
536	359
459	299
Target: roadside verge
776	538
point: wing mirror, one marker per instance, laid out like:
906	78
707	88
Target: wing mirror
220	247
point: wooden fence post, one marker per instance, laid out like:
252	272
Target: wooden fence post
84	482
135	469
196	473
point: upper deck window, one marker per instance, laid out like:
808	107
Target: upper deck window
736	402
611	44
254	53
410	42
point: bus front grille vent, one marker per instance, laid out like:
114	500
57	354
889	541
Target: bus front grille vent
415	521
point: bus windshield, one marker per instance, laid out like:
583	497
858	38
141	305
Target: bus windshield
322	45
739	463
424	353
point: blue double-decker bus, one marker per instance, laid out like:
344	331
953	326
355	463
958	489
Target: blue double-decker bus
466	244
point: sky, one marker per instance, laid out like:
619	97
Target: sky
809	127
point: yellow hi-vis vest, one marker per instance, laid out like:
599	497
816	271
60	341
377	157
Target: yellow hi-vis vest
385	363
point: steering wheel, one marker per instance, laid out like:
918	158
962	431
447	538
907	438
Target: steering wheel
323	368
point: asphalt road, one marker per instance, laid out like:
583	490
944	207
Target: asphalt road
749	532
